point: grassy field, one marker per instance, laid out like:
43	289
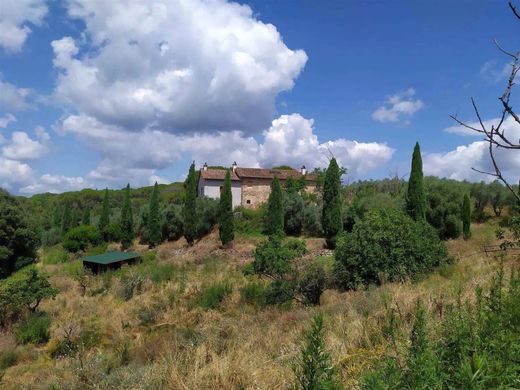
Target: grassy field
178	320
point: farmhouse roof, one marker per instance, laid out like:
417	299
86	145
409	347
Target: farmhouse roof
216	174
263	173
110	257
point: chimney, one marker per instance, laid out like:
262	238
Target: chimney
234	166
205	167
303	170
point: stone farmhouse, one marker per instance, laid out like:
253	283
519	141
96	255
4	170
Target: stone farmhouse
250	187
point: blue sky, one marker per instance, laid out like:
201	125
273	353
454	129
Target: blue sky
97	93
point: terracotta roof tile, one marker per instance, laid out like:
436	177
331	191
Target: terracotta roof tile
263	173
216	174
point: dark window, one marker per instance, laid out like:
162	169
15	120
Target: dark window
248	201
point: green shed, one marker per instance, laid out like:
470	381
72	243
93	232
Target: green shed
110	260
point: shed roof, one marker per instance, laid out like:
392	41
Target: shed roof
110	257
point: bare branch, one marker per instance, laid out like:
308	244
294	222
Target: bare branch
513	8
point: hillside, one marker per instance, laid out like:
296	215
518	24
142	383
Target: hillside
172	333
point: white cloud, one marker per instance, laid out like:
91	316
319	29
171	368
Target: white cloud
22	147
510	126
54	184
493	72
6	120
179	66
398	106
14	18
12	97
12	171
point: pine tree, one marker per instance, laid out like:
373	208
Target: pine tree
226	220
190	206
274	215
127	221
66	219
331	215
416	198
154	223
104	220
85	218
466	217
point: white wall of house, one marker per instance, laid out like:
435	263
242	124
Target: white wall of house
211	189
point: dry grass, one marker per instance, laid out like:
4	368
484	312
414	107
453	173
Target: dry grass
236	345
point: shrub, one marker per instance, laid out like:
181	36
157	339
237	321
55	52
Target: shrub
254	294
452	227
272	258
146	315
80	238
250	221
51	237
207	215
312	220
7	359
172	223
35	329
130	284
211	297
54	255
297	246
293	208
312	283
113	232
388	244
280	291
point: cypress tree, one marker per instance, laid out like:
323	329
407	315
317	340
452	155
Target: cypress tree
127	221
331	215
226	221
85	218
416	198
66	220
274	215
154	225
466	217
190	206
104	219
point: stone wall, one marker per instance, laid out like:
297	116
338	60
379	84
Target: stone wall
256	191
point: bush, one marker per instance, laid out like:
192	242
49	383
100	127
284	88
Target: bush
54	255
293	209
130	284
249	221
312	283
51	237
452	227
389	245
82	237
207	211
297	246
35	329
211	297
280	291
7	359
114	233
172	223
272	258
312	220
146	315
254	294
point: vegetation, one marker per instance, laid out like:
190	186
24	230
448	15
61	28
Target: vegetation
81	238
415	198
190	206
466	217
104	219
127	221
154	224
274	217
332	222
226	218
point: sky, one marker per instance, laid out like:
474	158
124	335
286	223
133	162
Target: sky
100	93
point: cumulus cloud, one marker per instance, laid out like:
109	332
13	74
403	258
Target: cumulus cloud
510	126
12	97
397	106
23	147
15	15
178	66
54	184
14	172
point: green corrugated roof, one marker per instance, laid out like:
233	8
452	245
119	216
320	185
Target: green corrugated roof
111	257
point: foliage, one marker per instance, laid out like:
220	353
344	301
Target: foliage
332	221
280	291
274	217
498	197
172	223
250	221
314	369
18	236
85	218
415	197
7	359
226	219
254	294
66	219
293	210
154	224
312	219
190	206
130	285
466	217
481	196
34	329
51	237
127	221
212	296
54	255
80	238
311	283
104	219
207	215
387	245
273	258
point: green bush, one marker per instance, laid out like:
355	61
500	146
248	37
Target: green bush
299	247
272	258
254	294
51	237
387	245
280	291
54	255
312	282
249	221
211	297
207	215
34	329
293	209
7	359
172	223
312	220
82	237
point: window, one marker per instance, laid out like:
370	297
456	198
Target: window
248	201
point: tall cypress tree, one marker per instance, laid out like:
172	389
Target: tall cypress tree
466	217
154	224
127	221
331	215
416	198
85	218
190	206
66	220
226	220
104	219
274	216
